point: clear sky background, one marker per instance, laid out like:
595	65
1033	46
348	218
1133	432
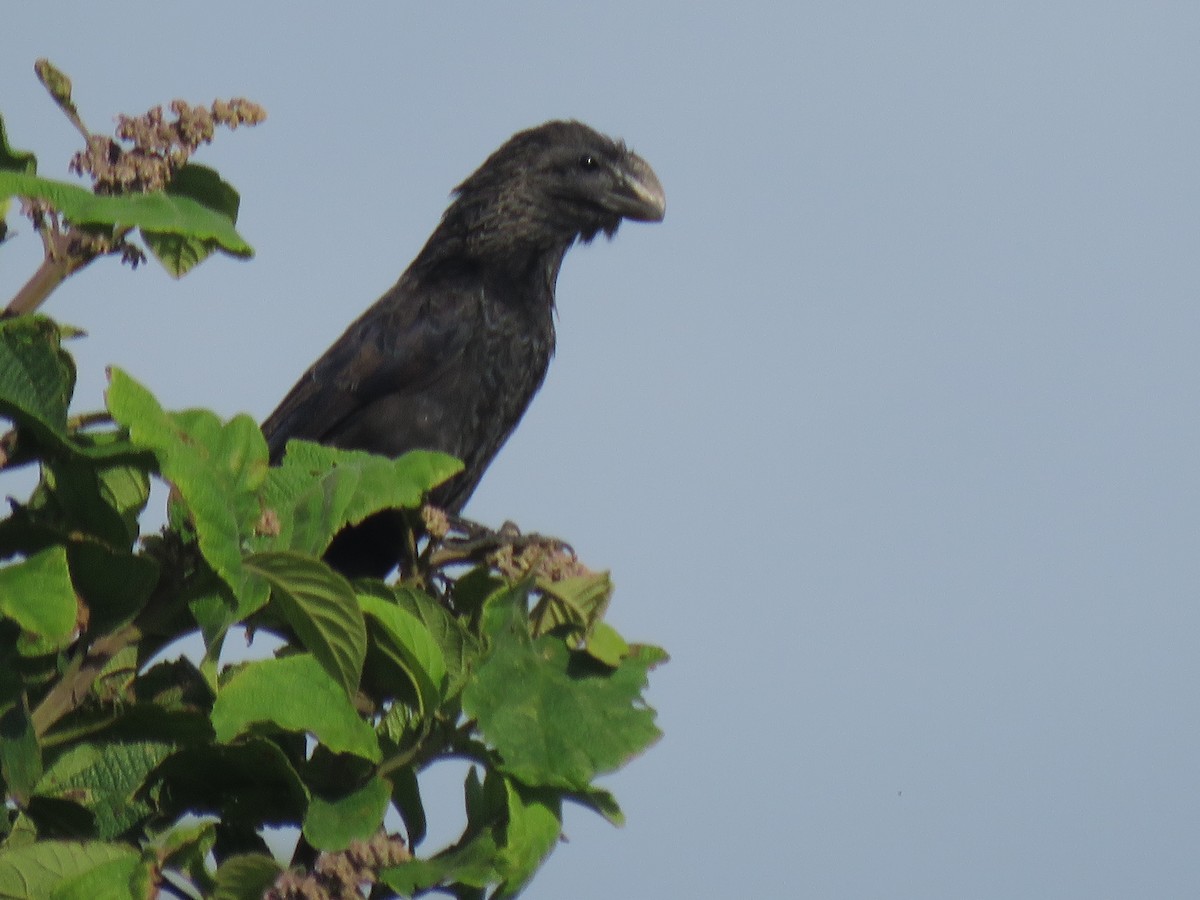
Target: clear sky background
888	433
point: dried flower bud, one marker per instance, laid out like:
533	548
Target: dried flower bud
435	521
339	876
159	147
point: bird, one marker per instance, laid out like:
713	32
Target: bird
450	357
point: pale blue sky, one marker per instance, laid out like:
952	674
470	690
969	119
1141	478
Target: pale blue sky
888	433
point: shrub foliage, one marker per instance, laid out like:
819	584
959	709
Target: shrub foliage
131	768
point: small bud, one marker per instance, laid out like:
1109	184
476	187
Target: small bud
58	84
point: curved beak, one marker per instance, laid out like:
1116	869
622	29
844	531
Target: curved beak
638	194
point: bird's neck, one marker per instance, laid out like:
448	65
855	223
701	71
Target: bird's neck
520	262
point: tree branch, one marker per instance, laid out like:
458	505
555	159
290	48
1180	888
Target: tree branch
81	673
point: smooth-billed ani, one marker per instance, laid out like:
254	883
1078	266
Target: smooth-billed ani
450	357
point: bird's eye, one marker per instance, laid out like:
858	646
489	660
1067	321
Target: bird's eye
587	162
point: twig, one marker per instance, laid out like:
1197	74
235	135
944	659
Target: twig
87	419
72	689
10	438
83	670
49	275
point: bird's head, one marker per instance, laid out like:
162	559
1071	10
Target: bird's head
555	183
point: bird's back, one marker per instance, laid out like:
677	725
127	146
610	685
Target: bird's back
446	362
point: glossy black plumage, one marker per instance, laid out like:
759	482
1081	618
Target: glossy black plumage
450	357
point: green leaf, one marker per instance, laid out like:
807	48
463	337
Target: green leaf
215	609
238	450
20	755
418	652
117	879
102	499
180	253
115	680
473	863
459	647
13	671
39	596
14	160
320	606
33	872
606	645
91	506
216	468
402	725
157	211
114	585
600	802
247	784
36	376
294	694
185	847
105	779
486	802
579	603
557	718
176	253
173	684
61	819
318	490
532	832
406	797
477	860
245	877
205	185
333	824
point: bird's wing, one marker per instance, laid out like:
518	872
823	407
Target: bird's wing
398	346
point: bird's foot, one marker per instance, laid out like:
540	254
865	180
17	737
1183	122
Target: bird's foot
463	540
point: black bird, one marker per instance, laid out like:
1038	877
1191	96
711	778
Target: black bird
450	357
